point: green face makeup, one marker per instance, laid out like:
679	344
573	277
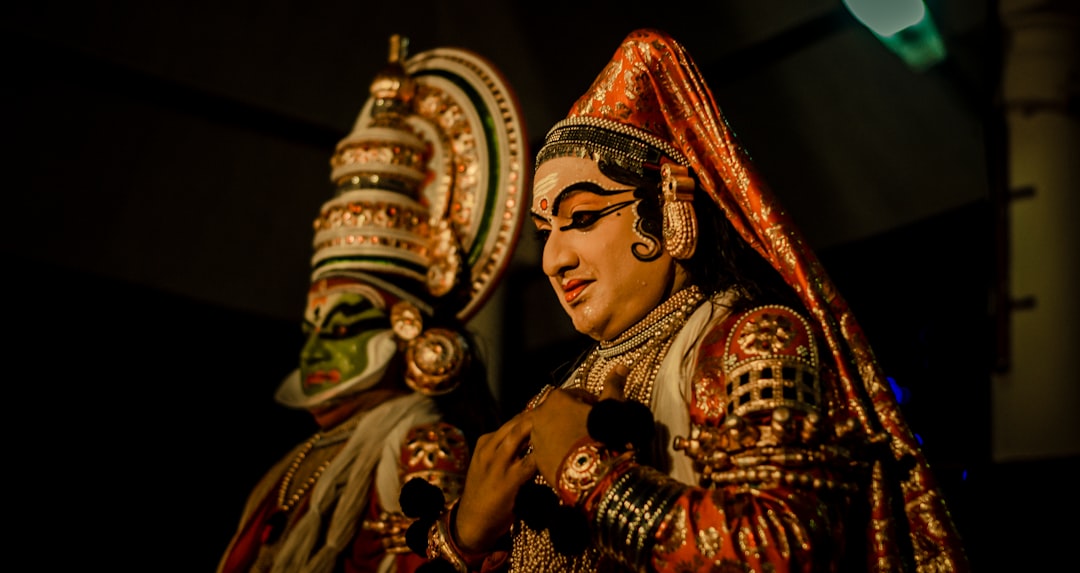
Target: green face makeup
338	326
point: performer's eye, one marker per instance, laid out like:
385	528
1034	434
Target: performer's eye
586	218
542	235
582	219
348	330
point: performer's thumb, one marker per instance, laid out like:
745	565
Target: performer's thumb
615	381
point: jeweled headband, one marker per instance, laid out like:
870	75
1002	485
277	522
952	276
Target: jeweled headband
624	145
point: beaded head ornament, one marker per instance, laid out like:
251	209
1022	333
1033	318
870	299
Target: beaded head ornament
427	207
650	107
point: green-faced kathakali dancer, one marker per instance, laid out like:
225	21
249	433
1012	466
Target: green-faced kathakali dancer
423	221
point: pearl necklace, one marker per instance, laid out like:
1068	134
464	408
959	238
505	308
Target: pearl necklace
641	348
286	502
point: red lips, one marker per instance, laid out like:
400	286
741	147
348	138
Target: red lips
572	288
320	378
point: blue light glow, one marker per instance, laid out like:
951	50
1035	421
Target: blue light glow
899	391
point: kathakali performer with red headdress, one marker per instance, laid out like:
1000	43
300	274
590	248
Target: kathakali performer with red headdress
731	415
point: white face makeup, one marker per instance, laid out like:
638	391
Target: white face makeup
587	223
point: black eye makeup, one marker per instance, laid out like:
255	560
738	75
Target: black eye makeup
586	218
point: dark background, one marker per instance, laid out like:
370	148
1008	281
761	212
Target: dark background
167	160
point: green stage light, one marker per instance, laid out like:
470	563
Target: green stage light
906	27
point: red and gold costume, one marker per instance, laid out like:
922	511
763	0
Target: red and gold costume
374	534
785	448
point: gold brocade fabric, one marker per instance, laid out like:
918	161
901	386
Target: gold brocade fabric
652	83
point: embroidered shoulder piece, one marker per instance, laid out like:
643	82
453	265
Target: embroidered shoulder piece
758	409
438	453
435	452
770	361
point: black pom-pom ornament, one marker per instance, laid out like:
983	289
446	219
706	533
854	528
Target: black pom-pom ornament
421	499
617	423
416	536
533	504
569	531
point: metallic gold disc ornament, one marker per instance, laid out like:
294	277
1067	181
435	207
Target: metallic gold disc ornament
434	360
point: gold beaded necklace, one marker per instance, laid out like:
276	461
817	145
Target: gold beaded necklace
641	348
285	501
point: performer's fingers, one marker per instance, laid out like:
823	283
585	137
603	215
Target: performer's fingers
525	467
505	442
615	382
513	438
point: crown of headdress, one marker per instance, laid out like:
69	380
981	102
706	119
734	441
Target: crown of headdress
429	184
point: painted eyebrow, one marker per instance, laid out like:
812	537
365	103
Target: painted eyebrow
348	310
586	186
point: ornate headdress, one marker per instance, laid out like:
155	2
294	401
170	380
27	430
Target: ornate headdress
429	182
650	108
428	201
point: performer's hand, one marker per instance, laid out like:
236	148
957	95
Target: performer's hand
561	421
498	468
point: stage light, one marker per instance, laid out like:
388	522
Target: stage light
906	27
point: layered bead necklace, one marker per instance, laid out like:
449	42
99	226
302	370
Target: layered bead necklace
642	349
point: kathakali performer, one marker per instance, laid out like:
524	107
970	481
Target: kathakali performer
731	415
425	216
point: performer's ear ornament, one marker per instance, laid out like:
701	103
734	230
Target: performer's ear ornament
680	224
434	360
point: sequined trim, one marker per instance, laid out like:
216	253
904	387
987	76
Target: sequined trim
626	145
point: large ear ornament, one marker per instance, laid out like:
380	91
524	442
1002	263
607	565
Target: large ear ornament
680	225
434	360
